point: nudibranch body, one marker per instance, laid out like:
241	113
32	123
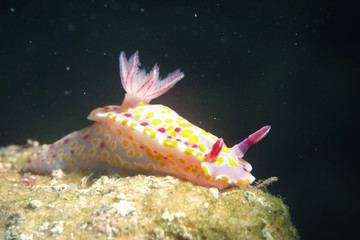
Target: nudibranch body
148	138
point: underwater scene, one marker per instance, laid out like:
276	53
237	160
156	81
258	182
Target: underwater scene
178	120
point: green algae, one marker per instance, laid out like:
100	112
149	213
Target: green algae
97	205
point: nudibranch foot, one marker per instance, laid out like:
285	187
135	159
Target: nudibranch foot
148	138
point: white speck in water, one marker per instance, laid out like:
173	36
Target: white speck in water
195	15
12	9
67	92
142	10
67	68
105	53
71	27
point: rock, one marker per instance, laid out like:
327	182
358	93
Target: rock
97	205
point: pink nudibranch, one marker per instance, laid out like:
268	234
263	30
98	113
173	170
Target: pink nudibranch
148	138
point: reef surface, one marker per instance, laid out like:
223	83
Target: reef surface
97	205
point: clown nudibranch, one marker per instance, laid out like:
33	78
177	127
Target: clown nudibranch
148	138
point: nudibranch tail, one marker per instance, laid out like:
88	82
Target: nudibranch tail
242	147
140	86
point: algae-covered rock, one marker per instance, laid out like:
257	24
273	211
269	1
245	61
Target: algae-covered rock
97	205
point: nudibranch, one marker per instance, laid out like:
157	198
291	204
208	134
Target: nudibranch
148	138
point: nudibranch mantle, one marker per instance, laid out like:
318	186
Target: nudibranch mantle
148	138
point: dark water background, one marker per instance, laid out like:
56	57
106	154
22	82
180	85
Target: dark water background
292	64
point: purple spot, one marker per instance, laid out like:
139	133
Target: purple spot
86	136
51	146
29	160
161	130
179	140
66	141
194	146
72	151
144	124
177	129
169	136
38	154
102	144
54	155
43	160
127	115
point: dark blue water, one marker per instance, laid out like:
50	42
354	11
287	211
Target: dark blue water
292	64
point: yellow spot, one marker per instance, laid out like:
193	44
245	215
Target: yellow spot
194	170
125	142
180	118
89	159
202	147
125	110
156	121
158	157
95	142
161	165
220	161
150	167
186	169
92	152
213	138
186	132
58	143
175	169
130	153
132	126
79	149
170	128
105	154
225	150
206	171
107	162
189	151
113	145
199	155
98	130
193	139
131	137
72	145
173	134
141	104
139	167
82	156
232	163
224	179
124	122
99	158
185	124
181	160
126	164
171	161
137	116
148	151
170	143
67	156
85	131
138	110
72	161
59	152
165	110
107	138
205	133
108	128
243	182
135	146
138	155
114	118
119	131
168	121
117	159
150	115
48	160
